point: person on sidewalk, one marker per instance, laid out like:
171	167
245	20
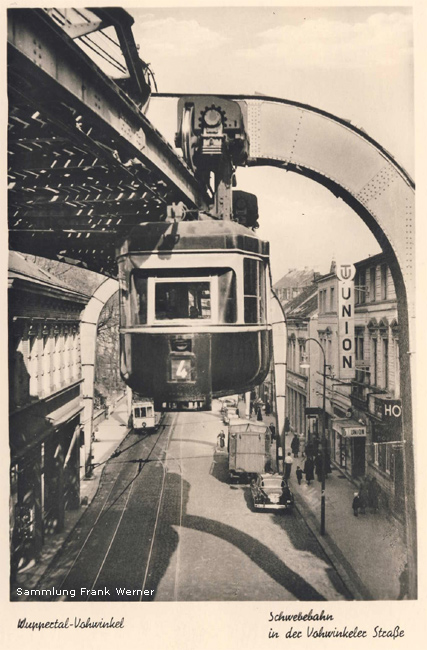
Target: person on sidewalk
273	431
309	470
356	504
221	439
299	474
295	445
373	494
404	583
288	465
364	496
309	449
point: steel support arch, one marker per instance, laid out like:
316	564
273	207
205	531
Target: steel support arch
88	334
354	167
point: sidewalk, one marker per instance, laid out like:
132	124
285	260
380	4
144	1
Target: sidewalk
367	551
109	435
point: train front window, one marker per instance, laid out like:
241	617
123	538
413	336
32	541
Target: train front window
182	300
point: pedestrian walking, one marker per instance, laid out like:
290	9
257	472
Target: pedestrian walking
273	431
364	496
316	443
288	465
404	583
309	449
259	414
267	408
299	473
221	439
373	494
309	470
295	445
356	504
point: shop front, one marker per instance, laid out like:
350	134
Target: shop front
349	441
387	462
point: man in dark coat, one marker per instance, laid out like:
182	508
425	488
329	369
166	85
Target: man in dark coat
373	493
309	449
309	470
288	465
295	445
319	466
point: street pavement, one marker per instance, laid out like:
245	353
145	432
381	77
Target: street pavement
369	550
179	528
279	559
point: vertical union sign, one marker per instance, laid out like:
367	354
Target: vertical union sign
347	357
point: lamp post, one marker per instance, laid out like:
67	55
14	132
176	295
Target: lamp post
322	496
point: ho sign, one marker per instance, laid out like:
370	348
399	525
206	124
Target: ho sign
392	409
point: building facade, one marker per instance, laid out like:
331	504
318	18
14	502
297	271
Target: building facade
300	315
375	392
363	411
293	283
44	405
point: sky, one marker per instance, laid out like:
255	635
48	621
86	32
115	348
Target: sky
354	62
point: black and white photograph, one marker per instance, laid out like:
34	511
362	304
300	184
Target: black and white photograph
213	256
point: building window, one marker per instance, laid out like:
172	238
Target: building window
385	364
396	369
360	355
67	357
387	458
33	366
332	299
372	284
384	282
375	456
374	364
301	357
46	364
361	287
382	457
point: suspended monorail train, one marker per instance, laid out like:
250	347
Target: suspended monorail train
194	299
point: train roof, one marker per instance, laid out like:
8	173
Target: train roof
169	237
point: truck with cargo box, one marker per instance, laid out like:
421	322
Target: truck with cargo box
248	449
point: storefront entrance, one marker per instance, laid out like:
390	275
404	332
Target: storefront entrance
350	446
358	457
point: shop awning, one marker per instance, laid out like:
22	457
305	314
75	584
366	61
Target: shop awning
348	428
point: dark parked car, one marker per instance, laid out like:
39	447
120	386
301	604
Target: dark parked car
271	492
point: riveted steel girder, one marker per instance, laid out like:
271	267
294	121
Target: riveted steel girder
47	48
80	148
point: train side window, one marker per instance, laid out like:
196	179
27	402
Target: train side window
139	304
251	290
178	300
227	312
137	412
